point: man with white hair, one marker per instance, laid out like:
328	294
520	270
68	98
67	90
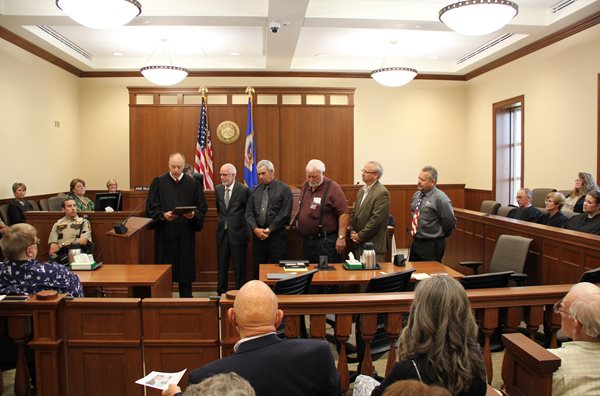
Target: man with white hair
322	215
578	373
268	211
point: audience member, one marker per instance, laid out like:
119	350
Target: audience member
439	343
232	230
588	221
578	373
68	231
77	192
414	388
272	365
268	212
432	218
226	384
322	216
583	185
21	273
526	211
175	235
189	170
554	203
111	185
18	206
371	211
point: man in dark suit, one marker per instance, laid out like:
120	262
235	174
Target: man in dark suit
273	366
371	211
232	229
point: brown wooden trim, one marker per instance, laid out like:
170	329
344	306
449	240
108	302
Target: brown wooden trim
37	51
598	127
562	34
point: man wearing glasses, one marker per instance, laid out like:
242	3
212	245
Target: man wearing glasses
21	273
579	311
371	211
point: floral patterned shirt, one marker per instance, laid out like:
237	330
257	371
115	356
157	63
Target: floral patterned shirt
31	276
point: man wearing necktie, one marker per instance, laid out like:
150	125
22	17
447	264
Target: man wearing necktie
268	211
232	229
371	211
432	218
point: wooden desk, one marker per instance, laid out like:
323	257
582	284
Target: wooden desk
345	277
142	280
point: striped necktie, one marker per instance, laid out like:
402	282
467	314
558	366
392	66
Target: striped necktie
414	225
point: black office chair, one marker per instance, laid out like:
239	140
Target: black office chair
486	281
298	284
592	276
380	344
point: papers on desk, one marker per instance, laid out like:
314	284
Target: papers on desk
420	276
159	380
279	275
295	267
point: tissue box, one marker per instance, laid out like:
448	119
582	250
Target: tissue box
353	265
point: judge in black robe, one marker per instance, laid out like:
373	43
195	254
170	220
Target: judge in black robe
174	238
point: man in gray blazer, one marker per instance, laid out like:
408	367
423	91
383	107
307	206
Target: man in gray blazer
232	229
371	211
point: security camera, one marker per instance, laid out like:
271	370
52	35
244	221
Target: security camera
274	26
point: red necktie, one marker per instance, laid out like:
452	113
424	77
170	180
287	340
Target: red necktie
414	225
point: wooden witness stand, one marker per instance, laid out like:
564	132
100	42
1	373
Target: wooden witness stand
132	244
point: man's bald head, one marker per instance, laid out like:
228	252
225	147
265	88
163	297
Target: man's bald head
255	310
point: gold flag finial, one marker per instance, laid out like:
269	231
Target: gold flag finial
249	90
203	90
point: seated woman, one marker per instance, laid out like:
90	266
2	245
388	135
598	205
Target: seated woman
18	206
588	221
439	343
77	192
554	217
583	184
21	273
111	185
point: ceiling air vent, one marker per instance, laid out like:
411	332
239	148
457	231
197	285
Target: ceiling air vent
484	47
48	30
561	5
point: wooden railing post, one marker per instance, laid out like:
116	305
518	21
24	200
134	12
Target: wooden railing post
489	322
368	328
19	331
343	328
393	326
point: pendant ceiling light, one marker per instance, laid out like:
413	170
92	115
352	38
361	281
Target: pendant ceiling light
478	17
393	76
161	74
101	14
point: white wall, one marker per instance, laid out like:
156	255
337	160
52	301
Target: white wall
560	85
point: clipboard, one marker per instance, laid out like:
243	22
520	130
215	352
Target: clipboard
181	210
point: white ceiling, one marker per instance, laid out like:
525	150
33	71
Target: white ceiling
317	35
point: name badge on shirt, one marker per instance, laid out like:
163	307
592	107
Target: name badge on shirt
315	202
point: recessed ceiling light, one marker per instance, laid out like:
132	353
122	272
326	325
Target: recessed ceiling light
235	53
321	55
117	53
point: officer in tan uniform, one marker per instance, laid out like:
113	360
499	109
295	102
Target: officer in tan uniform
69	230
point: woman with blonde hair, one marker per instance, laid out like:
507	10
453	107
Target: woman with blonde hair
439	343
583	185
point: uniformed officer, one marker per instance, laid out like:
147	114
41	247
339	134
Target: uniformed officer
70	229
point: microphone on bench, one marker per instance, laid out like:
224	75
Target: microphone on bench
120	228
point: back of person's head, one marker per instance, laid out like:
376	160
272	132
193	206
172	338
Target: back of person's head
414	388
441	329
17	239
585	307
255	308
226	384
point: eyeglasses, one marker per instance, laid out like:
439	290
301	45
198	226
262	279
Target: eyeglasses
36	242
366	171
558	308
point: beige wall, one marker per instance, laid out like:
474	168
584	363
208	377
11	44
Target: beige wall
33	95
560	85
442	123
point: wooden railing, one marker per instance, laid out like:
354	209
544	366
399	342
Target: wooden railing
172	334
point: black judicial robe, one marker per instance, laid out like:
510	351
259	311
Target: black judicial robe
174	241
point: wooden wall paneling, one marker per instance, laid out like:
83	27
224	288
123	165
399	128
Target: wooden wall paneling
206	253
103	340
323	132
474	197
154	133
179	334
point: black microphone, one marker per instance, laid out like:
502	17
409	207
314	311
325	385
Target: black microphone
120	228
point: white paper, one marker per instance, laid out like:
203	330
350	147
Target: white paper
420	276
160	380
84	258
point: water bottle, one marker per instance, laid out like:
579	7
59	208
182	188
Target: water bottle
368	257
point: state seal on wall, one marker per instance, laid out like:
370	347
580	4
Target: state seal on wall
228	132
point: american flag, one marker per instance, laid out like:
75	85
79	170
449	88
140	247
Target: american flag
203	162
